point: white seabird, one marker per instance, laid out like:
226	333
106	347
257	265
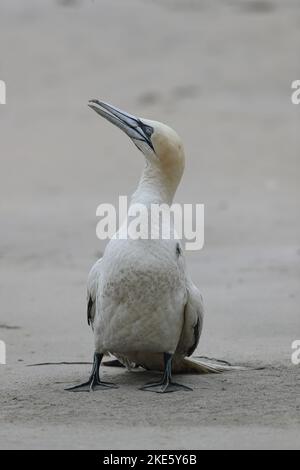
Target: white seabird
142	304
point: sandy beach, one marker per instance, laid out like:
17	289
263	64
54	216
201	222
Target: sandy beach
220	73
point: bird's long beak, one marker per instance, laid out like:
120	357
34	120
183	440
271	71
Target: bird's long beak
131	125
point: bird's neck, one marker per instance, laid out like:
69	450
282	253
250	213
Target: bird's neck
154	188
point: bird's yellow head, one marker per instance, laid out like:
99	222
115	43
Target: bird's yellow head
160	144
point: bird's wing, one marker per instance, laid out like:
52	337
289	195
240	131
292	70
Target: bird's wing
191	331
193	321
92	284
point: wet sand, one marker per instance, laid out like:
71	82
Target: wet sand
220	74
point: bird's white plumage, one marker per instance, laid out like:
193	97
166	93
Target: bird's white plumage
140	298
143	302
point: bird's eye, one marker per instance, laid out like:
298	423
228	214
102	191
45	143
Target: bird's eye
148	131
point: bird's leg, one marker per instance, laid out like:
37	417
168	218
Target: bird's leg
165	385
94	383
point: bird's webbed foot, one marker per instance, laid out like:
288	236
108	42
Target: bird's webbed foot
165	385
168	387
94	383
91	386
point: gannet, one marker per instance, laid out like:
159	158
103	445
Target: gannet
142	304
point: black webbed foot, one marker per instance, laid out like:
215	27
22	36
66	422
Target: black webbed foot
94	383
165	385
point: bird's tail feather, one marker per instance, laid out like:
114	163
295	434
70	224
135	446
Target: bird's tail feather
202	365
180	365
